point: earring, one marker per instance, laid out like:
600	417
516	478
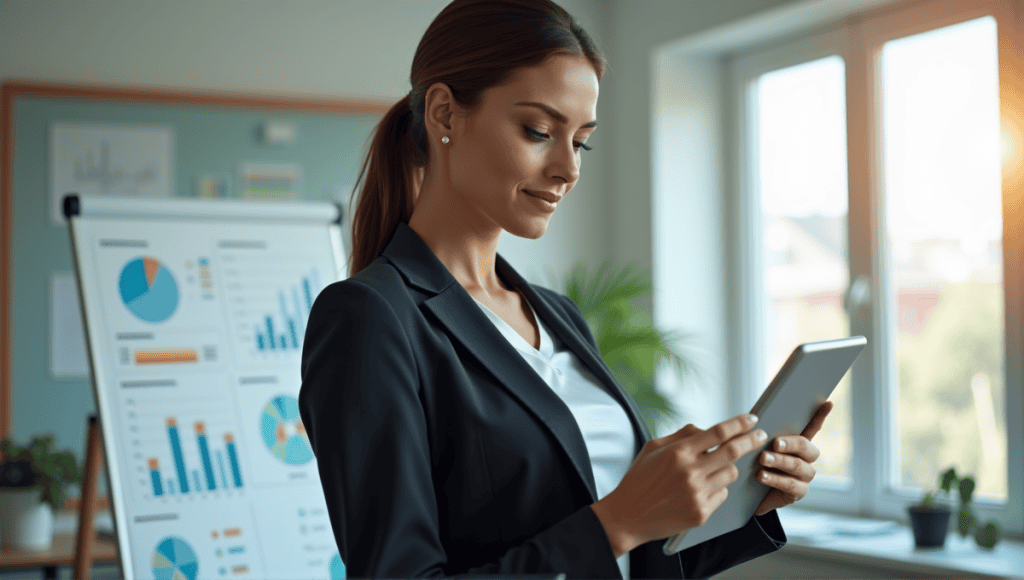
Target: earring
445	139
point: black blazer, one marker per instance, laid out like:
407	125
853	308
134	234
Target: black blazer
442	452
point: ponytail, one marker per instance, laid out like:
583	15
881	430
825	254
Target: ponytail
389	179
470	46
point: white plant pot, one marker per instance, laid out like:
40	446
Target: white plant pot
26	523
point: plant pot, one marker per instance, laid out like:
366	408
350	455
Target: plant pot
26	523
930	525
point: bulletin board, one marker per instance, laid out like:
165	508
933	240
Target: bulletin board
137	143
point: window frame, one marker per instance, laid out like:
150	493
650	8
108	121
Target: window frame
858	41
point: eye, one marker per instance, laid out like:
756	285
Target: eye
538	136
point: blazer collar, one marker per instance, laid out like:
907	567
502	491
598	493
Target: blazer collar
458	312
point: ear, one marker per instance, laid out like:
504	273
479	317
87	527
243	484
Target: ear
439	107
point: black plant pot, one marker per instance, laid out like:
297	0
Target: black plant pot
929	525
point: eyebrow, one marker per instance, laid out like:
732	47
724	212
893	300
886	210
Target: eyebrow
555	113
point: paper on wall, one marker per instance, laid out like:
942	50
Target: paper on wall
67	339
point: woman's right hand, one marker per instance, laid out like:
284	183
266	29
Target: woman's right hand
675	483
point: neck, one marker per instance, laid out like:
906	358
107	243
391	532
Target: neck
466	247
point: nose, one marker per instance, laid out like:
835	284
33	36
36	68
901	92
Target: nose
565	164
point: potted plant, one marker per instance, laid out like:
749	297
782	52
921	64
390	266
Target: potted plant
610	300
32	482
929	519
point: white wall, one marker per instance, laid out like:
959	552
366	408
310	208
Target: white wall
360	49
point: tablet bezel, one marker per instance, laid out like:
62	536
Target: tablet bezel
853	346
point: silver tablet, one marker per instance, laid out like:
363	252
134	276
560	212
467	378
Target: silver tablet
805	381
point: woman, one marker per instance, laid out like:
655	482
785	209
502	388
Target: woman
462	419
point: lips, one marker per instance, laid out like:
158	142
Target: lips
544	195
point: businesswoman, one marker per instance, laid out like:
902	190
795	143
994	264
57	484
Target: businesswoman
462	419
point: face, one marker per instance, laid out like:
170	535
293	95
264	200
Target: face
528	136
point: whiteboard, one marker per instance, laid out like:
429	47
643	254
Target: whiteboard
195	312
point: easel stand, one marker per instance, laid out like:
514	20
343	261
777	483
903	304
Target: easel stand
82	566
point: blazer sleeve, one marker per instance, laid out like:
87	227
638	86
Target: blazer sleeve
761	535
361	405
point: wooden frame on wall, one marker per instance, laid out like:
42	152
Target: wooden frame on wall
12	90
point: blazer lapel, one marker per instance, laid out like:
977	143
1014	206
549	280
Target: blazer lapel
586	352
464	320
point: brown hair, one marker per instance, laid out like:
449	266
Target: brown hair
471	46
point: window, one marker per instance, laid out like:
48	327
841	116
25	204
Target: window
874	155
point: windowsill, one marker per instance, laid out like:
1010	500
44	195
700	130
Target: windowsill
880	543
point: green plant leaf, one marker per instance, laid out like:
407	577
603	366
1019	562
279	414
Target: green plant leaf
987	536
965	519
947	479
613	302
966	487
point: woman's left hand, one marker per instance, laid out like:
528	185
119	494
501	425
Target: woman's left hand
787	465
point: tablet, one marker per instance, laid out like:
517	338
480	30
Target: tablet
805	381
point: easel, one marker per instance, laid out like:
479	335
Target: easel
82	567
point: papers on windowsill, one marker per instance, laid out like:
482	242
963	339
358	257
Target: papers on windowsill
816	527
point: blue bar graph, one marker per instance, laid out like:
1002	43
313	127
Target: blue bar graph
195	475
154	474
290	318
223	474
233	456
179	459
295	337
298	308
309	294
204	453
270	331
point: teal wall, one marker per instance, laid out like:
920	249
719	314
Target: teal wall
328	148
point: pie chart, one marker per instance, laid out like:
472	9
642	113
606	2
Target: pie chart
337	568
174	559
148	289
283	432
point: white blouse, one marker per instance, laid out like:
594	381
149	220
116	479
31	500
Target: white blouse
606	428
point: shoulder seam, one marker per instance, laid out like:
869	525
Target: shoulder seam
401	325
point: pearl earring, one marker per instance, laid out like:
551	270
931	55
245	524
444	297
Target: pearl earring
445	139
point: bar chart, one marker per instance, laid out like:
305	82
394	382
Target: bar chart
184	479
269	300
183	437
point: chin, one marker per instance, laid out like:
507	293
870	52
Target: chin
531	230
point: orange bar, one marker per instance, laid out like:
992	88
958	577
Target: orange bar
153	463
229	437
232	532
152	357
240	569
200	428
172	422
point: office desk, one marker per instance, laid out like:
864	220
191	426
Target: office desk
62	553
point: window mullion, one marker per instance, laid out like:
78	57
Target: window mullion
866	393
